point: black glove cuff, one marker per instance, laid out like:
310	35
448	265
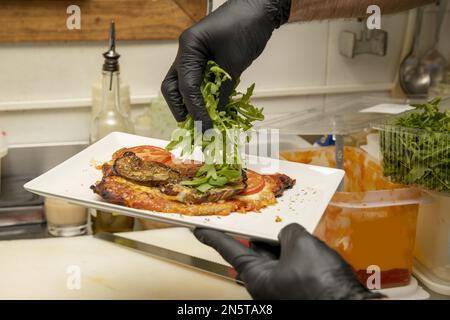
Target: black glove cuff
279	11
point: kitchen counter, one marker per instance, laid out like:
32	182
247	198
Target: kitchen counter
45	269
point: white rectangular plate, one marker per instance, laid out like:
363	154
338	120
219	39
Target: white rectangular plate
304	204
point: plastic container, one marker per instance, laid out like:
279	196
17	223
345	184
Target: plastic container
161	119
416	157
433	244
373	221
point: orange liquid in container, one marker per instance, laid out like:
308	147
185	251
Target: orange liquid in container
373	222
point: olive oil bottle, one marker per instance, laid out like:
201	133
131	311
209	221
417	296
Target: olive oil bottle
110	118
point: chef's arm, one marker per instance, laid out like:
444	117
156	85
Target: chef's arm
308	10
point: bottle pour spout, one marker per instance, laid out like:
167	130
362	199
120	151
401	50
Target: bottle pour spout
111	63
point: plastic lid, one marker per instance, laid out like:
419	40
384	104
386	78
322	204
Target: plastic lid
341	116
412	291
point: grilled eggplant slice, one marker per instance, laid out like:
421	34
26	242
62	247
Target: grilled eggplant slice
131	167
282	183
193	196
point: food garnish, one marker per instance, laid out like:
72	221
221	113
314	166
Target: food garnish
238	115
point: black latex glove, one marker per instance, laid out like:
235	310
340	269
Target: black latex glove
305	269
233	35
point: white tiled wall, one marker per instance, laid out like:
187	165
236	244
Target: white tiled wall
295	56
46	126
45	71
299	65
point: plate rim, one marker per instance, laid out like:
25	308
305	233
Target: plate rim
148	214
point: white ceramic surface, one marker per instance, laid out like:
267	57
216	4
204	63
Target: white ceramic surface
304	204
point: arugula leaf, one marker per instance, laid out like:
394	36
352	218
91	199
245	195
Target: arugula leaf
204	187
239	113
195	182
218	182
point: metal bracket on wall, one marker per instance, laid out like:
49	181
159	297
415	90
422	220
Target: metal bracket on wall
370	42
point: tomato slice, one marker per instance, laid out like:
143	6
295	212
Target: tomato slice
255	183
149	153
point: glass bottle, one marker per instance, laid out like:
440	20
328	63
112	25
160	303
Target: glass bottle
111	117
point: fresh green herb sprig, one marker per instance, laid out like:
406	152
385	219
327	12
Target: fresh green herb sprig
416	147
238	114
429	119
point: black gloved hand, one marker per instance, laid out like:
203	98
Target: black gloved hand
306	268
233	36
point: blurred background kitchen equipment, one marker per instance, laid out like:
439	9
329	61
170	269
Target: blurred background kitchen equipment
414	79
442	89
156	121
143	123
433	61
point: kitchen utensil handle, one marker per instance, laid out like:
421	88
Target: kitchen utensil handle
440	13
418	29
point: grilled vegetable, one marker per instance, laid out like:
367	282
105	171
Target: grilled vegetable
132	167
189	195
